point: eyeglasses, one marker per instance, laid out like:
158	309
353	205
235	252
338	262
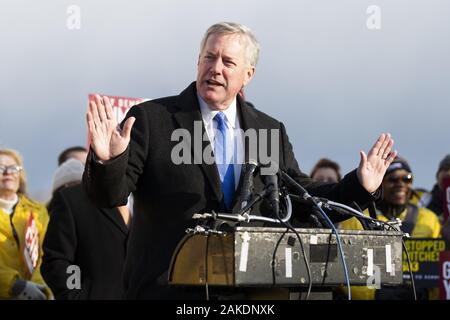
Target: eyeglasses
406	179
10	169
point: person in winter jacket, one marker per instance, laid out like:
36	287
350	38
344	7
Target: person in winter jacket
23	223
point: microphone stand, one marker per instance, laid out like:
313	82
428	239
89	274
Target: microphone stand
305	195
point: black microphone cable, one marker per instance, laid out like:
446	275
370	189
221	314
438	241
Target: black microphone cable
351	211
413	285
308	267
288	226
325	216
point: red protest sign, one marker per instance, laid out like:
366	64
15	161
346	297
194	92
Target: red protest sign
120	105
444	277
31	245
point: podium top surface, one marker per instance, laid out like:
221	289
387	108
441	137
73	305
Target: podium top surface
319	231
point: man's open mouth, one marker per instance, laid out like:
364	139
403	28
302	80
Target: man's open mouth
214	83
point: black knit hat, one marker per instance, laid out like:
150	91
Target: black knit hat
445	163
397	164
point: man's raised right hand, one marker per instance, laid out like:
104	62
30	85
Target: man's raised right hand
107	140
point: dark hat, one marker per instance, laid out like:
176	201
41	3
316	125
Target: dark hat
397	164
445	163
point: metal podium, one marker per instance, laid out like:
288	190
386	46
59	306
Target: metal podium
272	257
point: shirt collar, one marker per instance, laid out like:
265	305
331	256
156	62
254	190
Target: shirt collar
8	205
208	114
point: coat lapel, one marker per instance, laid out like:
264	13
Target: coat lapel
188	117
116	218
248	120
189	113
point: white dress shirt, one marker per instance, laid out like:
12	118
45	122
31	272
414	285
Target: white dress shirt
235	134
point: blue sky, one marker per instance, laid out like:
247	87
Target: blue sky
334	83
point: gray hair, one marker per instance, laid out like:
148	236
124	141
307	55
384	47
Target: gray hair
252	47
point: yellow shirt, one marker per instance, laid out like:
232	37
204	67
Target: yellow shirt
12	263
427	226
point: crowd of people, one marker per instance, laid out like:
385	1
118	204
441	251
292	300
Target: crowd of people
69	231
421	213
72	231
118	212
420	209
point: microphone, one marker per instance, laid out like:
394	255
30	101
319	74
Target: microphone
272	192
247	184
294	184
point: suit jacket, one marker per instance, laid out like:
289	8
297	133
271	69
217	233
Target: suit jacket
93	239
166	195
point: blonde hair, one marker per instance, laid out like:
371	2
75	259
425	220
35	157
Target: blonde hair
18	159
252	47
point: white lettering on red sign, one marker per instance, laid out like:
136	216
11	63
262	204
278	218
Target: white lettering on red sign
446	276
31	245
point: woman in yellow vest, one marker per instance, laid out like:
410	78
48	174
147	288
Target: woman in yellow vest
23	223
421	222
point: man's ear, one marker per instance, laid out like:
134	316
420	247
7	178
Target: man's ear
249	75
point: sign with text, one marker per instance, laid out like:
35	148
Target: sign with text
424	254
120	105
31	245
444	281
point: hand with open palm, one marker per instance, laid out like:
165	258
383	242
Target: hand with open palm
373	166
107	139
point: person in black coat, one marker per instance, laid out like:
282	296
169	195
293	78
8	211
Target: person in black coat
139	157
80	234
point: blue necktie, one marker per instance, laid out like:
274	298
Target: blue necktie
224	157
